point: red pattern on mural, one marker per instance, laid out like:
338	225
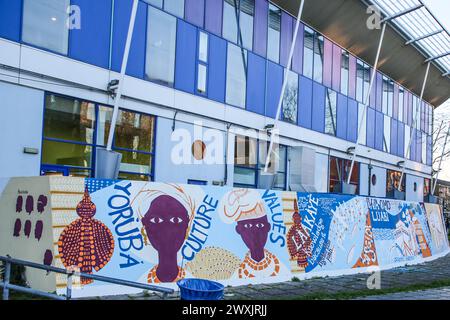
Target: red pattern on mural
86	243
369	253
298	240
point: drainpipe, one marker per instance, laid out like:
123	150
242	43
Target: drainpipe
283	88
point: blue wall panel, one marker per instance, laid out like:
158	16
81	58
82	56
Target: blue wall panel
342	106
318	111
91	43
217	68
419	143
352	120
256	83
394	138
305	102
429	150
400	139
412	150
136	61
379	131
273	89
10	19
370	128
186	54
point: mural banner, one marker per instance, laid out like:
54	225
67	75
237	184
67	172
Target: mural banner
158	233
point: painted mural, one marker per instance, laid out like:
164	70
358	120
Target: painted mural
159	233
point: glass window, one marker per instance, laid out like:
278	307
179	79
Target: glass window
236	76
345	62
160	60
407	139
44	24
66	154
247	12
330	112
290	100
308	53
393	181
362	123
318	58
135	162
201	79
273	44
367	73
203	47
339	171
157	3
230	29
69	119
391	98
387	134
360	81
245	162
426	187
401	97
176	7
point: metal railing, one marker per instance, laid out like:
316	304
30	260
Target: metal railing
7	286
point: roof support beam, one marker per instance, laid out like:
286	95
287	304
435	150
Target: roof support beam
398	15
437	57
423	37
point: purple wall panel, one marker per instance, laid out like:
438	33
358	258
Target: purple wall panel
352	120
401	139
342	119
286	38
352	77
213	16
410	109
195	11
394	138
260	27
379	92
297	60
336	78
396	92
328	63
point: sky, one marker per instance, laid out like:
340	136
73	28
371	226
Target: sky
441	9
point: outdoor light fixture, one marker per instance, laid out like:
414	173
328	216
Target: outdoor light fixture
400	163
351	150
112	87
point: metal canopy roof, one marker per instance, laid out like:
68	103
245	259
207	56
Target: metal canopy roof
421	27
410	39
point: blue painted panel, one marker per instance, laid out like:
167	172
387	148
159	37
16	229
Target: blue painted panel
412	152
342	106
217	68
419	143
401	139
256	83
305	102
136	61
429	150
318	110
352	120
370	128
273	89
394	138
379	131
10	19
186	57
91	43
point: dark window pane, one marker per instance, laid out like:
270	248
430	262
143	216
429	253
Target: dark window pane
360	81
330	112
230	29
134	131
308	53
318	58
135	177
245	151
66	154
290	100
344	72
161	35
247	13
69	119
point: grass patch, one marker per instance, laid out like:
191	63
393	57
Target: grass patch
346	295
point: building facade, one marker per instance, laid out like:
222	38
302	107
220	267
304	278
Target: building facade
191	66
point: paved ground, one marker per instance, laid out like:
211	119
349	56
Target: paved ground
394	279
432	294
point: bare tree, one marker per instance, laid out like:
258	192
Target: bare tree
440	131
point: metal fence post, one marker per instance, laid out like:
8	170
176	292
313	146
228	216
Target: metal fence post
6	280
69	286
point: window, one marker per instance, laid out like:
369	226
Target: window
175	7
367	73
318	58
393	182
360	81
388	96
290	100
245	162
401	102
160	59
202	65
387	134
273	43
308	53
339	171
236	76
245	11
330	112
74	129
44	24
277	164
426	187
345	63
